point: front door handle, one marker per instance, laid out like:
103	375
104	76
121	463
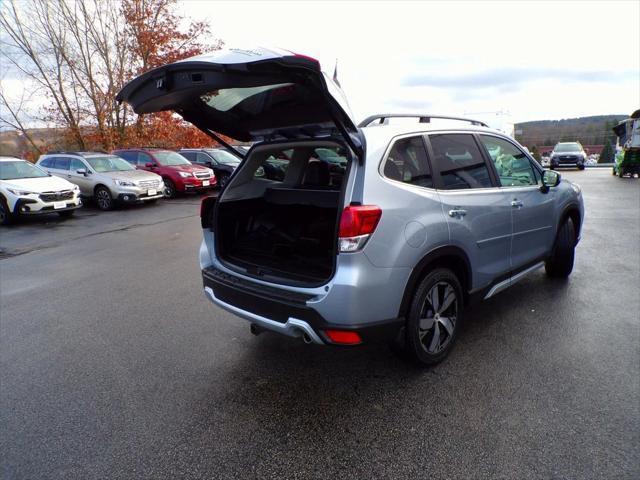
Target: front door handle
457	212
517	203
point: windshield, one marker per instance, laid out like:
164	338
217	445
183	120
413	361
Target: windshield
224	157
109	163
20	169
568	147
170	159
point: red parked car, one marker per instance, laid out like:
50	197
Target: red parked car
178	173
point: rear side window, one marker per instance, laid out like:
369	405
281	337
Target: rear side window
191	156
61	163
273	168
459	162
513	167
130	157
47	163
407	162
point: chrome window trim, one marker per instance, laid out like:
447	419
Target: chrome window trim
385	156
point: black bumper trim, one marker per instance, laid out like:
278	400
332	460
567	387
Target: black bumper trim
279	305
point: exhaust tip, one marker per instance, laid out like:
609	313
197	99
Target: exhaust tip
306	338
255	329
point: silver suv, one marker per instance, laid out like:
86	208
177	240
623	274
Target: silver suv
104	177
387	229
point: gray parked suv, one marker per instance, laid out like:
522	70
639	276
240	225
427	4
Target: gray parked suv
568	154
104	177
396	242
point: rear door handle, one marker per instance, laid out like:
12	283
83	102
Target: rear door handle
517	203
457	212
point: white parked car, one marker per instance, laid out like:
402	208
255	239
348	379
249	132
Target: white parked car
26	189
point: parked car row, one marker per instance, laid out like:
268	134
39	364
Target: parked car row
58	180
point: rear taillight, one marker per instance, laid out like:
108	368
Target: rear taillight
206	211
343	337
357	224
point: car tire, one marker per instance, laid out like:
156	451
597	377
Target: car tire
580	167
103	198
223	180
560	263
67	213
169	188
428	337
6	217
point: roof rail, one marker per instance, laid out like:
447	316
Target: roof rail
424	118
71	152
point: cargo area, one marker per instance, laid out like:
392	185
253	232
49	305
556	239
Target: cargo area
279	215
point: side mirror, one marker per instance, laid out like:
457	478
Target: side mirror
149	165
550	179
82	171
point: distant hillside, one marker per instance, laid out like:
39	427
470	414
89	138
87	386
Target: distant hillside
594	130
14	144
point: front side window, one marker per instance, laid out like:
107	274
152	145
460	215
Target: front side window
109	163
77	165
143	159
407	162
459	161
202	158
513	167
11	170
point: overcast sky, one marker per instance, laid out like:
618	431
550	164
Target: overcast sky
536	60
532	60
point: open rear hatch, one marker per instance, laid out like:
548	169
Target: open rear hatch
249	95
278	217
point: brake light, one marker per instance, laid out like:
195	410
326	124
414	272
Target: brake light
343	337
357	223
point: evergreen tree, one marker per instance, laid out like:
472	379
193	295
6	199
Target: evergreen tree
607	153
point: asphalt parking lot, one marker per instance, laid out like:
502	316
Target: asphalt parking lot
113	365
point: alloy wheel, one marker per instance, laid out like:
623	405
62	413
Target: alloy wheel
103	199
169	190
438	318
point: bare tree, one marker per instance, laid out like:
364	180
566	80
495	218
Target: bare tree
79	54
12	116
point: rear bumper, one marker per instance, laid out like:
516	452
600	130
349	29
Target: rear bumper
283	311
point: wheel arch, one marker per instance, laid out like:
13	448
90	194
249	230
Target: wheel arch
571	211
98	185
451	257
